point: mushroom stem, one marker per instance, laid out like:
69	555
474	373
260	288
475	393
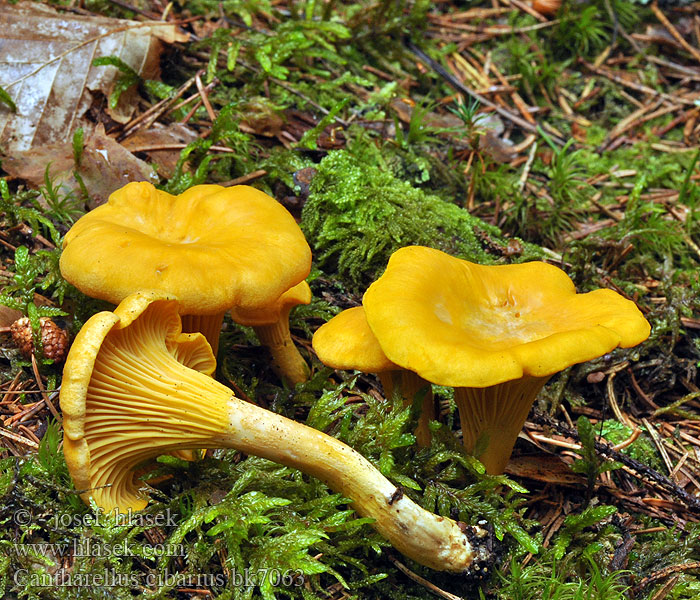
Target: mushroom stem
411	384
436	542
131	391
287	362
492	417
208	325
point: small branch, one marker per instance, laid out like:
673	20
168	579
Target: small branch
147	118
431	587
664	573
136	9
460	87
673	31
205	98
248	177
527	167
614	77
642	471
18	438
658	442
44	395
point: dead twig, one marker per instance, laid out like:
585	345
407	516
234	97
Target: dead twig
205	98
440	70
636	468
424	582
528	9
658	442
44	395
18	438
663	573
527	167
614	77
245	178
136	9
147	118
673	31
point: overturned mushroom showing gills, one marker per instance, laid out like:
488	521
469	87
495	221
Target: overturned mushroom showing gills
213	247
134	387
346	342
494	333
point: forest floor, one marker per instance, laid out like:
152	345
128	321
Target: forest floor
489	130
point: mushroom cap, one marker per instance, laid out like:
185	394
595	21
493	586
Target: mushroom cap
461	324
267	315
212	247
347	342
87	445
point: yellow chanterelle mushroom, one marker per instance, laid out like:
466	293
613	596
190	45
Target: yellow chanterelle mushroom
212	247
494	333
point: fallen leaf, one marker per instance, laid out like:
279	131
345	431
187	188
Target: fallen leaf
161	144
261	118
105	166
8	316
500	150
548	469
405	107
46	68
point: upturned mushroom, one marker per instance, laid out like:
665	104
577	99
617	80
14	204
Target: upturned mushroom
494	333
134	387
346	342
212	247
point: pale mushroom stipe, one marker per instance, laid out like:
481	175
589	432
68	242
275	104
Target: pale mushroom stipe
135	387
494	333
271	325
212	247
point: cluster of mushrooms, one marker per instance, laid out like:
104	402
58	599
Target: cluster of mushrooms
138	380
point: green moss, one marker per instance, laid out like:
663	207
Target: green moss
552	581
673	546
358	214
642	449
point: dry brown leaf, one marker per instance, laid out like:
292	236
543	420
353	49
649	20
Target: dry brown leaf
161	144
46	67
548	469
8	316
104	167
260	118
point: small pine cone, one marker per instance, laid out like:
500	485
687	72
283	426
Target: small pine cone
53	338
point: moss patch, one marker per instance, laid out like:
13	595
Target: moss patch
357	215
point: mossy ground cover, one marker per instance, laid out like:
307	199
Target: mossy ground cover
581	150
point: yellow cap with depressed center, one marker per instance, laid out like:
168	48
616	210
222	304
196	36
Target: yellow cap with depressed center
462	324
212	247
494	333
